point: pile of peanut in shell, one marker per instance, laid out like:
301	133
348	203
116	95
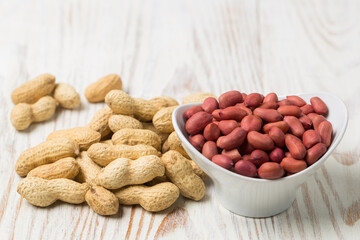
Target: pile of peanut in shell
259	136
127	154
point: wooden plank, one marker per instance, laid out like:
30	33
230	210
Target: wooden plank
175	48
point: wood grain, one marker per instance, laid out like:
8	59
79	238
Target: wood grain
175	48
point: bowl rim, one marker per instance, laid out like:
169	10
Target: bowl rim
308	170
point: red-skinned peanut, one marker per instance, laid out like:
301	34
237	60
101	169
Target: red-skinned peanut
210	104
289	110
296	100
198	122
232	140
253	100
230	99
271	97
276	155
197	141
226	126
271	171
306	109
305	121
188	114
223	161
211	132
210	149
277	136
233	154
319	106
243	95
268	115
285	102
295	125
281	124
231	113
292	165
269	105
314	153
251	123
310	138
246	109
258	157
316	120
295	146
216	114
260	141
325	132
245	168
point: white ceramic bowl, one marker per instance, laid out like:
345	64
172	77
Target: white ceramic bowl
254	197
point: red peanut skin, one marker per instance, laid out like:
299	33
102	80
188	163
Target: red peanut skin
306	109
246	157
325	132
188	114
223	161
211	132
292	165
310	138
245	168
251	123
280	124
289	110
230	113
319	106
269	105
216	114
271	97
276	155
260	141
246	148
232	140
210	104
242	106
197	141
316	120
296	100
314	153
269	115
215	121
233	154
312	115
226	126
258	157
271	171
295	125
198	122
305	121
295	146
230	99
253	100
278	136
209	149
285	102
288	154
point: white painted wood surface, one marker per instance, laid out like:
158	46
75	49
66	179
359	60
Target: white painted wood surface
175	48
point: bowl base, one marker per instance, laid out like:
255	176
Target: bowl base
249	211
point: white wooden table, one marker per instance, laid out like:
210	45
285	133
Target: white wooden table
175	48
